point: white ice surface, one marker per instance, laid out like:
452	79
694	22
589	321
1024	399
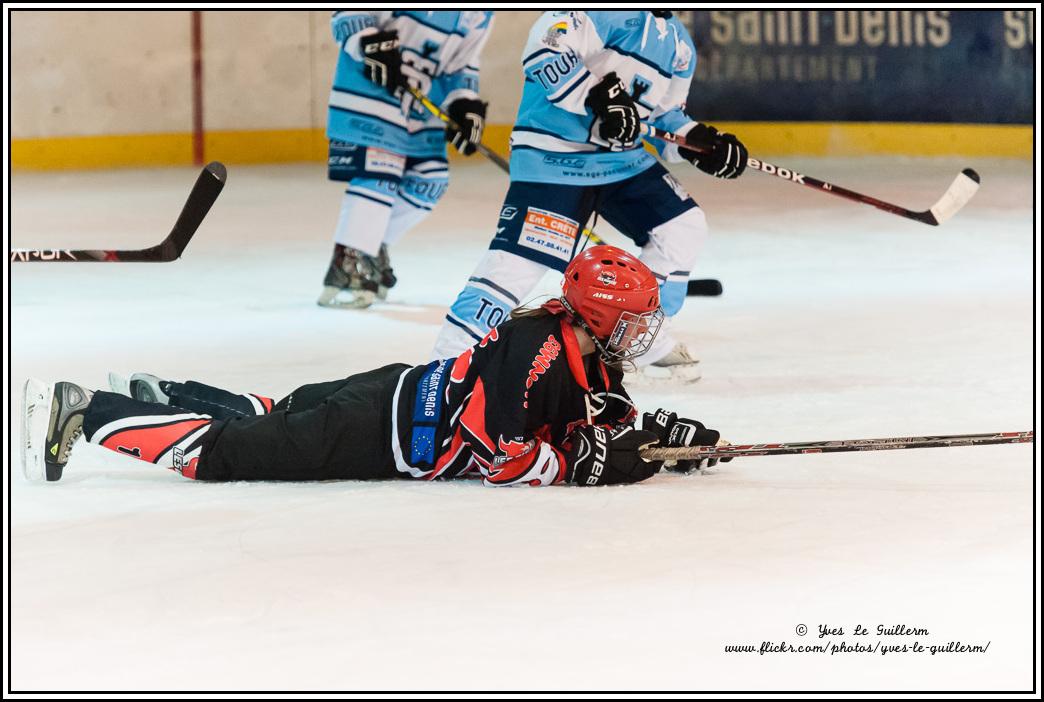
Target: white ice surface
838	321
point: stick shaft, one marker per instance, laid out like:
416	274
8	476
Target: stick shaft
954	198
893	443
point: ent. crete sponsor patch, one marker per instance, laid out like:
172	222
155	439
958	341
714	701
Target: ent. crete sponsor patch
549	233
381	161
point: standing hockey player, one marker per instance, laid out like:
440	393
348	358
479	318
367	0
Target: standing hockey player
591	79
390	151
537	402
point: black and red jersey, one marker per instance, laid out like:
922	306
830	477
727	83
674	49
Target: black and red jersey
505	407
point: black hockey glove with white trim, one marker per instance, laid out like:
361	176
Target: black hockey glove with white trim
470	118
615	113
675	432
382	62
720	155
601	455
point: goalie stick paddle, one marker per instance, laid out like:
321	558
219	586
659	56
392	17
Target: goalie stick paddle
707	287
208	186
956	196
687	453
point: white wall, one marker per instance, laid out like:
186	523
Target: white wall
77	73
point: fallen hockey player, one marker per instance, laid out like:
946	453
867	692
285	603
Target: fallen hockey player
539	401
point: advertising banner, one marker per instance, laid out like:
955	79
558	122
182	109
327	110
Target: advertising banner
948	66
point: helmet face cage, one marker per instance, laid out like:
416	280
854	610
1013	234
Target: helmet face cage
632	336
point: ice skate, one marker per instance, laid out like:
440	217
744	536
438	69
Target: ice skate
52	421
677	366
352	281
140	386
387	275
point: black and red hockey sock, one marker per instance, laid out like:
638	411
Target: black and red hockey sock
160	434
215	402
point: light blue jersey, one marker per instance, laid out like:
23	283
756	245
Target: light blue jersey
555	139
440	54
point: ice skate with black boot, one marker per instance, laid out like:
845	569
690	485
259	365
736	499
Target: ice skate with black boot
353	280
52	421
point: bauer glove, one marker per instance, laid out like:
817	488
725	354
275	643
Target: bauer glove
616	115
382	62
470	118
600	455
720	155
676	432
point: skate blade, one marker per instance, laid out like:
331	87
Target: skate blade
36	417
119	384
338	298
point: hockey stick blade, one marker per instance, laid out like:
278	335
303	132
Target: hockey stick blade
204	193
956	196
706	287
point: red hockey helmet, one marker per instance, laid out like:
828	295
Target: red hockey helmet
617	300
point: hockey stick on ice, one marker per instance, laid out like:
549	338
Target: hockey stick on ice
208	186
956	196
732	450
706	287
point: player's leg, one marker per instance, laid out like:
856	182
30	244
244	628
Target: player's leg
372	176
191	395
170	437
346	436
344	433
198	397
423	184
55	416
538	230
654	210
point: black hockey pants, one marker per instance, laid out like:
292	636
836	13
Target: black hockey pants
325	431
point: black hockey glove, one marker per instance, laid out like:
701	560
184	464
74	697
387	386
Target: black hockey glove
615	113
609	456
675	432
720	155
470	116
382	62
